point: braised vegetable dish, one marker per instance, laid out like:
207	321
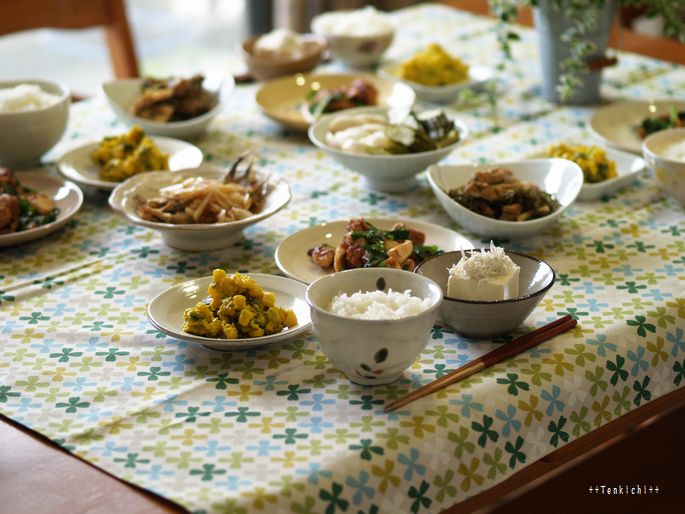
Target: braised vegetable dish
22	208
653	124
357	94
367	246
121	157
173	99
497	194
237	307
204	200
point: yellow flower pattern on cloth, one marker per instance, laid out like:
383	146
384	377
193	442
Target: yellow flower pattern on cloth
237	307
434	67
592	160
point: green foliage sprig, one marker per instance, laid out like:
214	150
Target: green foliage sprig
583	15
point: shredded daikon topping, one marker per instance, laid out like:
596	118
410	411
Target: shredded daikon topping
484	264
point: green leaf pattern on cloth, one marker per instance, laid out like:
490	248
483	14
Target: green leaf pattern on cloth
279	429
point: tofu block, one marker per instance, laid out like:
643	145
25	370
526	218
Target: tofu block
504	287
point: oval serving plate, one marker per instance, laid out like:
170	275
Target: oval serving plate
66	195
617	124
78	166
283	99
291	254
628	166
165	311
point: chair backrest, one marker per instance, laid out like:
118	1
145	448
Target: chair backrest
20	15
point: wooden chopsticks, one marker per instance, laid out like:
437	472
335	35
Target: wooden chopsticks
518	345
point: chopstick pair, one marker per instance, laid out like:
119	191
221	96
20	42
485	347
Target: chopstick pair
518	345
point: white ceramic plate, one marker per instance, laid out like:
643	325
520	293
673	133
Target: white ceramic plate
628	166
291	254
617	124
78	166
282	99
165	311
478	76
120	94
197	236
558	177
66	195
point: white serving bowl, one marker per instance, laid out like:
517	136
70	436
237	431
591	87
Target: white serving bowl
372	352
558	177
478	76
354	51
199	236
26	135
388	173
487	320
120	94
668	172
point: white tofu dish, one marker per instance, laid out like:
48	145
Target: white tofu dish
487	276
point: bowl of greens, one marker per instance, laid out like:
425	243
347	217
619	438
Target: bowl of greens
388	147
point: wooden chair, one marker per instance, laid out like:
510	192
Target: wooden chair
18	15
622	37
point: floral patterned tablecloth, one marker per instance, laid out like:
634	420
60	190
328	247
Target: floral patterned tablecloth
278	429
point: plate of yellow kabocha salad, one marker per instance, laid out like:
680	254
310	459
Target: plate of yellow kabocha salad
116	158
436	75
237	311
605	170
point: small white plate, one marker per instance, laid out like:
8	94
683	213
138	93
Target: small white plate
291	254
78	166
628	166
120	93
165	311
617	124
478	76
67	196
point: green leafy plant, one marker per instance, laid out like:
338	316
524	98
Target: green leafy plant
583	15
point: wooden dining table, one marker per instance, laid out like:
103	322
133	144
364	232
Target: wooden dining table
279	429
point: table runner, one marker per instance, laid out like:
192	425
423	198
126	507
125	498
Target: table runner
278	429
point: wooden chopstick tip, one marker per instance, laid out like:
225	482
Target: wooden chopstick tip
514	347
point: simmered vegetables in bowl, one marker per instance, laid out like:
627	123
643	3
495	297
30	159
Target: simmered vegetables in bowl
388	147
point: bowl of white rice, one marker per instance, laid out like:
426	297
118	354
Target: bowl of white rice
372	323
33	118
664	153
358	37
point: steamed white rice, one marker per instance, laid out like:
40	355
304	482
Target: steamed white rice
25	97
378	305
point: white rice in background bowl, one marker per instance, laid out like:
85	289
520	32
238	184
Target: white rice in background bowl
378	305
25	97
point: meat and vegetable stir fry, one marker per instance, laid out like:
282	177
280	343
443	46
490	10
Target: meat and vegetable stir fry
497	194
653	124
22	208
357	94
174	99
367	246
